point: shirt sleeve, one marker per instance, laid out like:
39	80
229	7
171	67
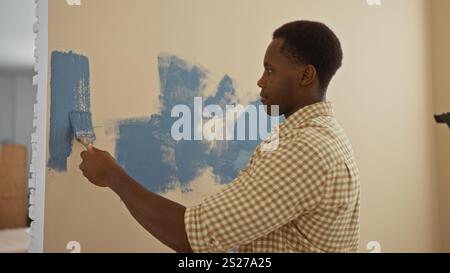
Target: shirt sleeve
275	188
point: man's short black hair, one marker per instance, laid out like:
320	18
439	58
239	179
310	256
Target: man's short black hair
308	42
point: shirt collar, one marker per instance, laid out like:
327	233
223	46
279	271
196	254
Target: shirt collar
307	113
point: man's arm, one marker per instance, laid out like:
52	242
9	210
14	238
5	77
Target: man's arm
163	218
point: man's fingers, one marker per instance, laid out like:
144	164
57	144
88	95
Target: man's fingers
91	148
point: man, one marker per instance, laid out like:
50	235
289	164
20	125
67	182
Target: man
301	197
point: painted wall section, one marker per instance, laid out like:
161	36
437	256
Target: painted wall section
148	151
70	91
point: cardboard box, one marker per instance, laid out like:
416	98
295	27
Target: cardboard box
13	153
13	187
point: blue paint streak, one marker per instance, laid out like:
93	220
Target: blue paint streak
147	151
138	150
69	92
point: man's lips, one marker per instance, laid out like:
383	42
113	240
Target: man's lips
264	100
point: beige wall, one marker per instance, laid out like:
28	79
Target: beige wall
382	94
441	81
384	101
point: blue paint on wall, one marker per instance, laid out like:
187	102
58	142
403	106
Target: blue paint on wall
147	151
69	92
145	147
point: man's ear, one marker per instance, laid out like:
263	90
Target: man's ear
308	74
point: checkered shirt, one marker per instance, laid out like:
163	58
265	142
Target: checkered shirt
302	196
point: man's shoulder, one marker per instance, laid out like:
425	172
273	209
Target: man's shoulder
325	137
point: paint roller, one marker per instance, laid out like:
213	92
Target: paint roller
81	124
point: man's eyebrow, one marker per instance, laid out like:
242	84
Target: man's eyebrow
266	64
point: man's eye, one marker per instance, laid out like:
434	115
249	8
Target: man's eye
269	71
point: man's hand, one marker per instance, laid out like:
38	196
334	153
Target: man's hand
99	167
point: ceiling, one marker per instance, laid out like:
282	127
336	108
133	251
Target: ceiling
16	35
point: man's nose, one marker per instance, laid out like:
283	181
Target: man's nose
260	83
